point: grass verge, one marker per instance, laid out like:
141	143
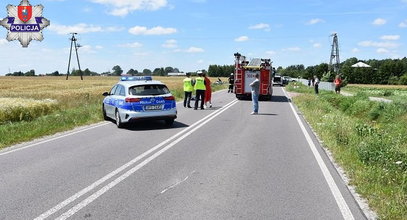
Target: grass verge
368	139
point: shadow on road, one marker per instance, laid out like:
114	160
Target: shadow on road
269	114
277	98
152	125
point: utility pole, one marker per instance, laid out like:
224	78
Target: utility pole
334	55
77	46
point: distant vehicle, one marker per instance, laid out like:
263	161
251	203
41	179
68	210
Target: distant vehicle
286	80
139	98
278	80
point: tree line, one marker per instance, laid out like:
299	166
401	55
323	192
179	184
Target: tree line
116	71
387	71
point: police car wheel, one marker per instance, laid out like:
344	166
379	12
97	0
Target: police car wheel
104	113
118	120
169	122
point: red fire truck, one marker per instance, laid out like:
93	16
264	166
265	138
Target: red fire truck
245	72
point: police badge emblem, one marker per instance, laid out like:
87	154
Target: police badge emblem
25	23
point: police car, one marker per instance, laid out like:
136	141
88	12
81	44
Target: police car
139	98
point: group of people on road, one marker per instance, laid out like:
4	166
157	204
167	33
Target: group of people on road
203	91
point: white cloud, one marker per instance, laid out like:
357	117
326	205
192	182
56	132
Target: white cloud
378	44
403	24
355	50
382	50
140	30
195	50
200	61
99	47
315	21
124	7
189	50
89	49
379	21
242	38
81	28
271	52
170	44
292	49
317	45
390	37
3	41
114	29
142	54
132	45
261	26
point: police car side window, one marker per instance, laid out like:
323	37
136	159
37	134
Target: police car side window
113	90
121	91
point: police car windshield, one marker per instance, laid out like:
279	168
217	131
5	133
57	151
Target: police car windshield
149	90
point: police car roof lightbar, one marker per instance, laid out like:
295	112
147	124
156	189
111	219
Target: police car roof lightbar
136	78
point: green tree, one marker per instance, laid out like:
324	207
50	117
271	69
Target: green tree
159	72
87	72
56	73
403	79
117	70
168	70
131	72
30	73
147	72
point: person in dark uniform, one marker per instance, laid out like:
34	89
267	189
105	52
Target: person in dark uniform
188	88
231	83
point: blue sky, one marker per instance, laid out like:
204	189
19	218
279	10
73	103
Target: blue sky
192	34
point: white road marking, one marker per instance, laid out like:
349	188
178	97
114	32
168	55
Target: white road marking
53	139
124	176
176	184
192	127
340	201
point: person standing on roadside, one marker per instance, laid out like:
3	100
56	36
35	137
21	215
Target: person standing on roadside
188	88
208	92
199	90
255	86
231	83
338	84
316	84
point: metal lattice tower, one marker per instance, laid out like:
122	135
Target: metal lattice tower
335	55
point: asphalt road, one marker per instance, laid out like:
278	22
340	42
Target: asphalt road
219	163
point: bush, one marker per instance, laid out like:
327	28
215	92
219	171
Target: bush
393	80
403	79
387	92
359	108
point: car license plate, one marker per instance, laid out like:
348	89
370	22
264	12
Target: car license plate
153	107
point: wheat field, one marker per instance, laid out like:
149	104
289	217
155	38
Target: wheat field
25	98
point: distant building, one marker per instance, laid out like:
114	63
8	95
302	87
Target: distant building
177	74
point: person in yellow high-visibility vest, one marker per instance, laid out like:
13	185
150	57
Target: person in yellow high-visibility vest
188	88
199	90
